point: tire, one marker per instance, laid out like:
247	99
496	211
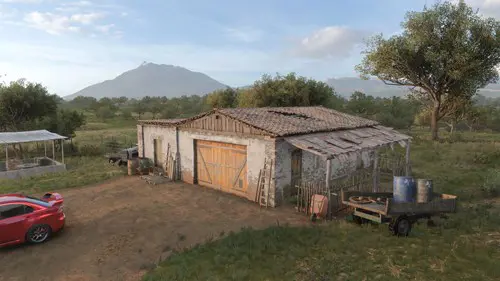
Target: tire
38	233
401	226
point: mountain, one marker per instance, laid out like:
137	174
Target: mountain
151	79
374	87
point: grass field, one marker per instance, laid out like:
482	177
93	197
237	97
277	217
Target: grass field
463	247
81	171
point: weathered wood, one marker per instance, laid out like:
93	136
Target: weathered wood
407	159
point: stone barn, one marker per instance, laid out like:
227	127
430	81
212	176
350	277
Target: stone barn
225	149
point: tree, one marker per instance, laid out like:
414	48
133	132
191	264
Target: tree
105	113
222	98
64	122
445	54
23	103
288	90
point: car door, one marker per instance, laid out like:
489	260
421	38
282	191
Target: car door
12	222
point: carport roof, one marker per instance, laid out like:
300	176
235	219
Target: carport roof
332	144
28	136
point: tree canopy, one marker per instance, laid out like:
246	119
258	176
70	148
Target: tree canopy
289	90
445	53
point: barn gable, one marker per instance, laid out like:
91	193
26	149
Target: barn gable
218	122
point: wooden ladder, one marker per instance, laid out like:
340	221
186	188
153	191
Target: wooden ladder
264	181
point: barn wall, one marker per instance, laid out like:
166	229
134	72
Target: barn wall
151	132
257	148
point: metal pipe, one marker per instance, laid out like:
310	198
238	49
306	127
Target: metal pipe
407	159
62	150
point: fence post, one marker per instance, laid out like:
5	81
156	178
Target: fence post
375	171
328	171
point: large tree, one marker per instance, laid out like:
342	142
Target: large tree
445	54
24	103
289	90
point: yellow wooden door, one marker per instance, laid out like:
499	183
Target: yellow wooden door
222	166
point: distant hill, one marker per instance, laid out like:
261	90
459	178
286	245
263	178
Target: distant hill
151	79
374	87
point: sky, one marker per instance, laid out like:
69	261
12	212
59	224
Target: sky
68	45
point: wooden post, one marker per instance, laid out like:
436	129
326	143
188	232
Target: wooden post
54	150
45	147
6	157
407	159
62	150
327	183
375	171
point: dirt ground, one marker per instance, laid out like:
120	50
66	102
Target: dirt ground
118	230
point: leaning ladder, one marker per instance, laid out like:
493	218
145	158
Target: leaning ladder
264	183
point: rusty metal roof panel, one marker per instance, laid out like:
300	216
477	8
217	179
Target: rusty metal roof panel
324	144
28	136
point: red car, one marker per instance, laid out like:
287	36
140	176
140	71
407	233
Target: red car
29	219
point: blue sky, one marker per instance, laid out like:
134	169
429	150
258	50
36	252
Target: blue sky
68	45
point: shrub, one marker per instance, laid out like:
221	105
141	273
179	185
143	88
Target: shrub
89	150
491	185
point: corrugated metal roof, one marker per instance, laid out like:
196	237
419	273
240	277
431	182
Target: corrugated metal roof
332	144
28	136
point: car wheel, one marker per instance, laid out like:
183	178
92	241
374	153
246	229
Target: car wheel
38	233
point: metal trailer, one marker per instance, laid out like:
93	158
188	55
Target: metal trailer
399	216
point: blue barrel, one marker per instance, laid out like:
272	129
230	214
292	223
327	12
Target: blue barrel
424	190
404	189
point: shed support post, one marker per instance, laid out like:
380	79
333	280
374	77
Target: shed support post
327	183
6	157
375	171
53	150
407	159
62	151
45	147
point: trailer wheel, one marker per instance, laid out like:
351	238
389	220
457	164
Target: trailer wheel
401	226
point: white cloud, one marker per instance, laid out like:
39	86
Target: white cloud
50	23
22	1
105	28
88	18
330	42
490	8
247	35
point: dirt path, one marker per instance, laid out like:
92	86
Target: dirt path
118	230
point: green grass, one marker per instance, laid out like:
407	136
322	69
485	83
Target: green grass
463	247
81	171
126	135
344	251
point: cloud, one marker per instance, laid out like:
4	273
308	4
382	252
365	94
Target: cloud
22	1
105	28
489	8
88	18
50	23
246	35
329	42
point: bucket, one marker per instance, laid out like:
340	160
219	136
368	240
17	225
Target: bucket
424	190
404	189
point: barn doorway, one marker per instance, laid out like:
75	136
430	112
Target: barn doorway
222	166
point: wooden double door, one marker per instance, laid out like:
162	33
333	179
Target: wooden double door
222	166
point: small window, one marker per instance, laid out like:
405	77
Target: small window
10	211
